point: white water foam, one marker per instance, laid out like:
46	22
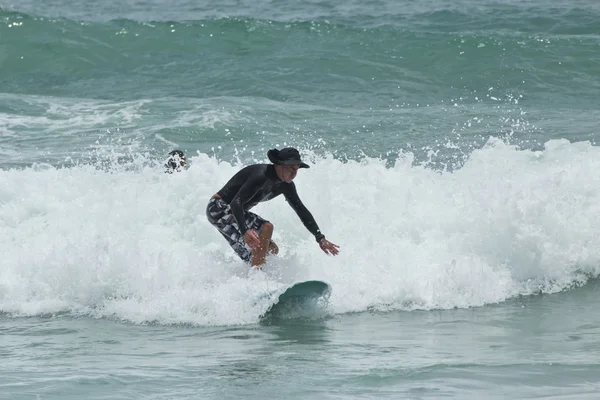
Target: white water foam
135	244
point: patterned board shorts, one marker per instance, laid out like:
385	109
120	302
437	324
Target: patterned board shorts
219	214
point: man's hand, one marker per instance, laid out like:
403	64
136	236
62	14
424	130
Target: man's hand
251	239
328	247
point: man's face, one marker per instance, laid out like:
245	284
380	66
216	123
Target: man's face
289	172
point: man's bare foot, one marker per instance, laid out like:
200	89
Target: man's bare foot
273	249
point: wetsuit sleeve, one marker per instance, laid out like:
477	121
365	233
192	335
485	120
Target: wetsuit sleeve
246	192
291	195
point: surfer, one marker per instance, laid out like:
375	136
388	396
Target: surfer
247	233
175	162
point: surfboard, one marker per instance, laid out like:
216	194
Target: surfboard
299	298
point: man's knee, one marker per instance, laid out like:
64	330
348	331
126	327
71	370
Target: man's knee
267	229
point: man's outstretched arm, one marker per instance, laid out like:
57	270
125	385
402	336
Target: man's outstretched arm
291	195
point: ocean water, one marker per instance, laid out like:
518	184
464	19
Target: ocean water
454	159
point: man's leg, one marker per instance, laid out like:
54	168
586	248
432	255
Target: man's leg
259	254
219	215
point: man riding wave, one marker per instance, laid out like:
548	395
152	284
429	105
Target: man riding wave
247	233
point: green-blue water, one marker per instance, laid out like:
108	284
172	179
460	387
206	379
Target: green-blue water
454	160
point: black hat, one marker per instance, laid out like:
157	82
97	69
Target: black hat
287	156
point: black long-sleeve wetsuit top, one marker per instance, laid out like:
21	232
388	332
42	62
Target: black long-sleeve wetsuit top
257	183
